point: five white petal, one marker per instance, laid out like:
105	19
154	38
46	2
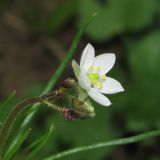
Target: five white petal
105	62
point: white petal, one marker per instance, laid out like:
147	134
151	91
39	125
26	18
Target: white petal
105	62
83	81
87	57
98	97
111	86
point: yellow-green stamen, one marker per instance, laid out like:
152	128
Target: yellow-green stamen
98	69
103	77
91	68
95	78
99	85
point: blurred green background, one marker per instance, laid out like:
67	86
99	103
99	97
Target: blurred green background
34	38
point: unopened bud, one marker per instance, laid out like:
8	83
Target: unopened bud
68	83
82	106
79	110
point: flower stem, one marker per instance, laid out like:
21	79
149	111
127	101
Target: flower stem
7	126
53	106
116	142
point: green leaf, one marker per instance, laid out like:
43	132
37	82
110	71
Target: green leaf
115	142
75	68
82	94
4	5
5	106
38	145
116	17
45	21
15	147
144	60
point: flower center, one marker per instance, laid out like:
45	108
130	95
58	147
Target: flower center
95	77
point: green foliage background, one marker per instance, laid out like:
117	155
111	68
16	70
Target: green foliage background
135	24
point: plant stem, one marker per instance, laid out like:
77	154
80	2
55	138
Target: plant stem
53	106
7	126
115	142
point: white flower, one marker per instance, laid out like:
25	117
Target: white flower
93	77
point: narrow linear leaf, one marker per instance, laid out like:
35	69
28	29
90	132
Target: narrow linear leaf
36	146
35	143
4	106
115	142
11	152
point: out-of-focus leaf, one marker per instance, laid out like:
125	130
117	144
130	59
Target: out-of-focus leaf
144	60
4	4
13	149
43	21
5	106
115	17
39	144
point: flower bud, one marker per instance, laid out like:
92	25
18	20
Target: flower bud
68	83
79	110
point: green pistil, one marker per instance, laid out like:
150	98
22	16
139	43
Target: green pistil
93	77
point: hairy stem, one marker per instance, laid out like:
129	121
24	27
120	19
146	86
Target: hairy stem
116	142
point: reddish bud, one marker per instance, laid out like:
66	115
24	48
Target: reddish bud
72	114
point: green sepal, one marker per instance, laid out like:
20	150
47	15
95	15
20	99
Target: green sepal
85	108
76	68
82	94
